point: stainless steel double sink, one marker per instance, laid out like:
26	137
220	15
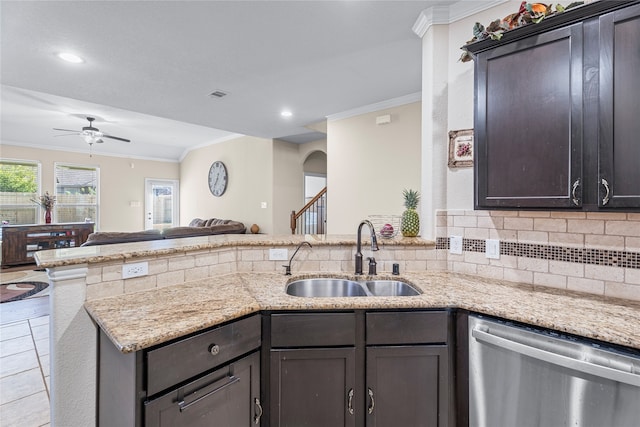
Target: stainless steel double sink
332	287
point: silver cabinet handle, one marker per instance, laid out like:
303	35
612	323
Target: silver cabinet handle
373	402
231	379
350	401
574	187
558	359
605	199
256	418
214	349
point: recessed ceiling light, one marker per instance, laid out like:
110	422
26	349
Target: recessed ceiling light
286	113
70	57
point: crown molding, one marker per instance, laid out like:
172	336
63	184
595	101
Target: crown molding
447	14
390	103
86	151
208	143
431	16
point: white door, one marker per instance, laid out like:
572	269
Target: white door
161	204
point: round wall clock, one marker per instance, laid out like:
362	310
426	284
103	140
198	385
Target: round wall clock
218	178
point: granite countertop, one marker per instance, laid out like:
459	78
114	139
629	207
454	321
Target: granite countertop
140	320
124	251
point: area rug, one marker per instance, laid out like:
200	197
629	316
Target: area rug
16	291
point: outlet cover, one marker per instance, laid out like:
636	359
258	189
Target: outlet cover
278	254
135	270
492	248
455	245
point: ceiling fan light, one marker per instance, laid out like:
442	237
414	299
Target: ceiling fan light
70	57
90	139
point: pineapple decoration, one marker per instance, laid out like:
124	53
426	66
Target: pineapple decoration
410	219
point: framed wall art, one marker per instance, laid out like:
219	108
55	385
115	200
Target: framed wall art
461	148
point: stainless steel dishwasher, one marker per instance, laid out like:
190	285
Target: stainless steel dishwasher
521	376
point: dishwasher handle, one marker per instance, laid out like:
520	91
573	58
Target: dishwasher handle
558	359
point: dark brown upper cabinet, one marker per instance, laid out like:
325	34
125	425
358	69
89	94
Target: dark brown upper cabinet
619	155
557	108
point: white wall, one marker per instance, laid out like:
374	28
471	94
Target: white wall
460	90
369	165
260	170
249	163
120	183
288	180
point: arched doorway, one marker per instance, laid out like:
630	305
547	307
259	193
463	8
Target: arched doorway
312	218
315	174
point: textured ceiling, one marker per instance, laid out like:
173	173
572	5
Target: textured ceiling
150	66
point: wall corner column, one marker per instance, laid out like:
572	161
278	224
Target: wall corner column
435	94
73	349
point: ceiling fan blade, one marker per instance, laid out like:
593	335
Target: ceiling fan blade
67	130
115	137
68	134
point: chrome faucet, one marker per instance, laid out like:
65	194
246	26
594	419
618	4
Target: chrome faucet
374	247
287	271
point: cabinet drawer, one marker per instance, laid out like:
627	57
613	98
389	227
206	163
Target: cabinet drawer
228	396
177	362
313	330
419	327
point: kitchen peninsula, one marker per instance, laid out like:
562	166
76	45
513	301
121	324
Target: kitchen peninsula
197	283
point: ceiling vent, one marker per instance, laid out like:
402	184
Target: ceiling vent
218	94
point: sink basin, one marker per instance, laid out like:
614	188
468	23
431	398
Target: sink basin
391	288
330	287
325	288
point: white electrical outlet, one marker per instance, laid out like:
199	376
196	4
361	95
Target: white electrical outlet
278	254
135	270
492	248
455	245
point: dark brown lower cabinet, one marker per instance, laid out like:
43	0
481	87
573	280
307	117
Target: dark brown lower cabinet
363	368
313	387
226	397
404	386
205	379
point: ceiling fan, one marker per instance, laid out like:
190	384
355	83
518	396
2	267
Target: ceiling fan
91	134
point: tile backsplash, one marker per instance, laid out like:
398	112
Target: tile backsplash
595	252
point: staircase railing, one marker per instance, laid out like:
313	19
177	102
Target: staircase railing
311	219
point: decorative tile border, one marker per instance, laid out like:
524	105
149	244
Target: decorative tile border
606	257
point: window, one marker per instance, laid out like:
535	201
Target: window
19	186
76	193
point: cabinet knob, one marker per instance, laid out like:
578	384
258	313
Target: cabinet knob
214	349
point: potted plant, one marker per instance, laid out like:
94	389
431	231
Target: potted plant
46	202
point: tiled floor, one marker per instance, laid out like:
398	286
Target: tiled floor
24	366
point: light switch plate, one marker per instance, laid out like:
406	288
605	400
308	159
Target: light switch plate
492	248
278	254
455	245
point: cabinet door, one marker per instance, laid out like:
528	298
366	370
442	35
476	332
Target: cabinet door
313	387
528	122
13	247
227	397
407	386
619	178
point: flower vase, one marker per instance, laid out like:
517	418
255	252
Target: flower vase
47	216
